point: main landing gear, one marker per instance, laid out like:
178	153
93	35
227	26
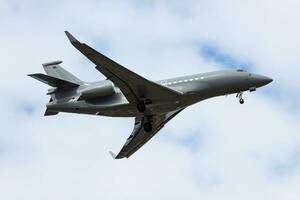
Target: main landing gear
141	105
240	96
147	127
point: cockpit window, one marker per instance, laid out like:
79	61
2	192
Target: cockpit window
240	70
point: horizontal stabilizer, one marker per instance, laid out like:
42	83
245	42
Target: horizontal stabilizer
50	112
52	81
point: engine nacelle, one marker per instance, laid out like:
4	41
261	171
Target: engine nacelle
102	89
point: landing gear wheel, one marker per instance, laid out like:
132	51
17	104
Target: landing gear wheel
147	127
242	101
141	107
240	96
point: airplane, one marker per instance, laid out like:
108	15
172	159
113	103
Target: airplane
127	94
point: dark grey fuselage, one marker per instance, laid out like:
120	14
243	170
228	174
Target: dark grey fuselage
192	88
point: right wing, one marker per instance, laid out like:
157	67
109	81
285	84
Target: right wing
133	86
139	137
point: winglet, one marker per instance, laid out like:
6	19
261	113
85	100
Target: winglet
112	154
71	37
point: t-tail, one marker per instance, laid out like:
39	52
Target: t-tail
58	78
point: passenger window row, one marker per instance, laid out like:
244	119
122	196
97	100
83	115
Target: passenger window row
183	81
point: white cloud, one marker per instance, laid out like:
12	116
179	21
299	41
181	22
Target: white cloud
66	156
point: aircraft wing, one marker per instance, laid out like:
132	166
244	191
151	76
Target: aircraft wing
139	137
132	85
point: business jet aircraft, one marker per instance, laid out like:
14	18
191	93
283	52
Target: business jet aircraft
127	94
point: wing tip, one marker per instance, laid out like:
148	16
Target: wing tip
112	154
71	37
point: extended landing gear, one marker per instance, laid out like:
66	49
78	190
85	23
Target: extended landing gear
141	106
147	123
147	127
240	96
241	101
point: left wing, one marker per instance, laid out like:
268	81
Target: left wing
133	86
139	137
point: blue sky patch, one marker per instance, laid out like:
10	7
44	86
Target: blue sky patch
287	166
26	108
214	53
192	141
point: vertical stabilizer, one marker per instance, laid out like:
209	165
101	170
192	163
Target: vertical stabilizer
55	70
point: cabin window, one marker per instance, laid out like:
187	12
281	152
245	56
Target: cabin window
240	70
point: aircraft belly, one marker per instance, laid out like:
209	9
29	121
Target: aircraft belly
130	110
116	110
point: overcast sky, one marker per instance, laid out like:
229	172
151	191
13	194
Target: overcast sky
216	149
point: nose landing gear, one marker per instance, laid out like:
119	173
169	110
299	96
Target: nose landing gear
241	101
240	96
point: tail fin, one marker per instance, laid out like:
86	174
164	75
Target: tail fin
53	69
58	78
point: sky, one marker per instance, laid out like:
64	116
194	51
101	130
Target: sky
216	149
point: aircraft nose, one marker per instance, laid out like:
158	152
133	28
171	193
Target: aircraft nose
261	80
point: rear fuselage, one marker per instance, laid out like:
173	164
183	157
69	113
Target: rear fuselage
103	98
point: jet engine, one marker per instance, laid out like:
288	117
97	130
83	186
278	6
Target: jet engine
102	89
